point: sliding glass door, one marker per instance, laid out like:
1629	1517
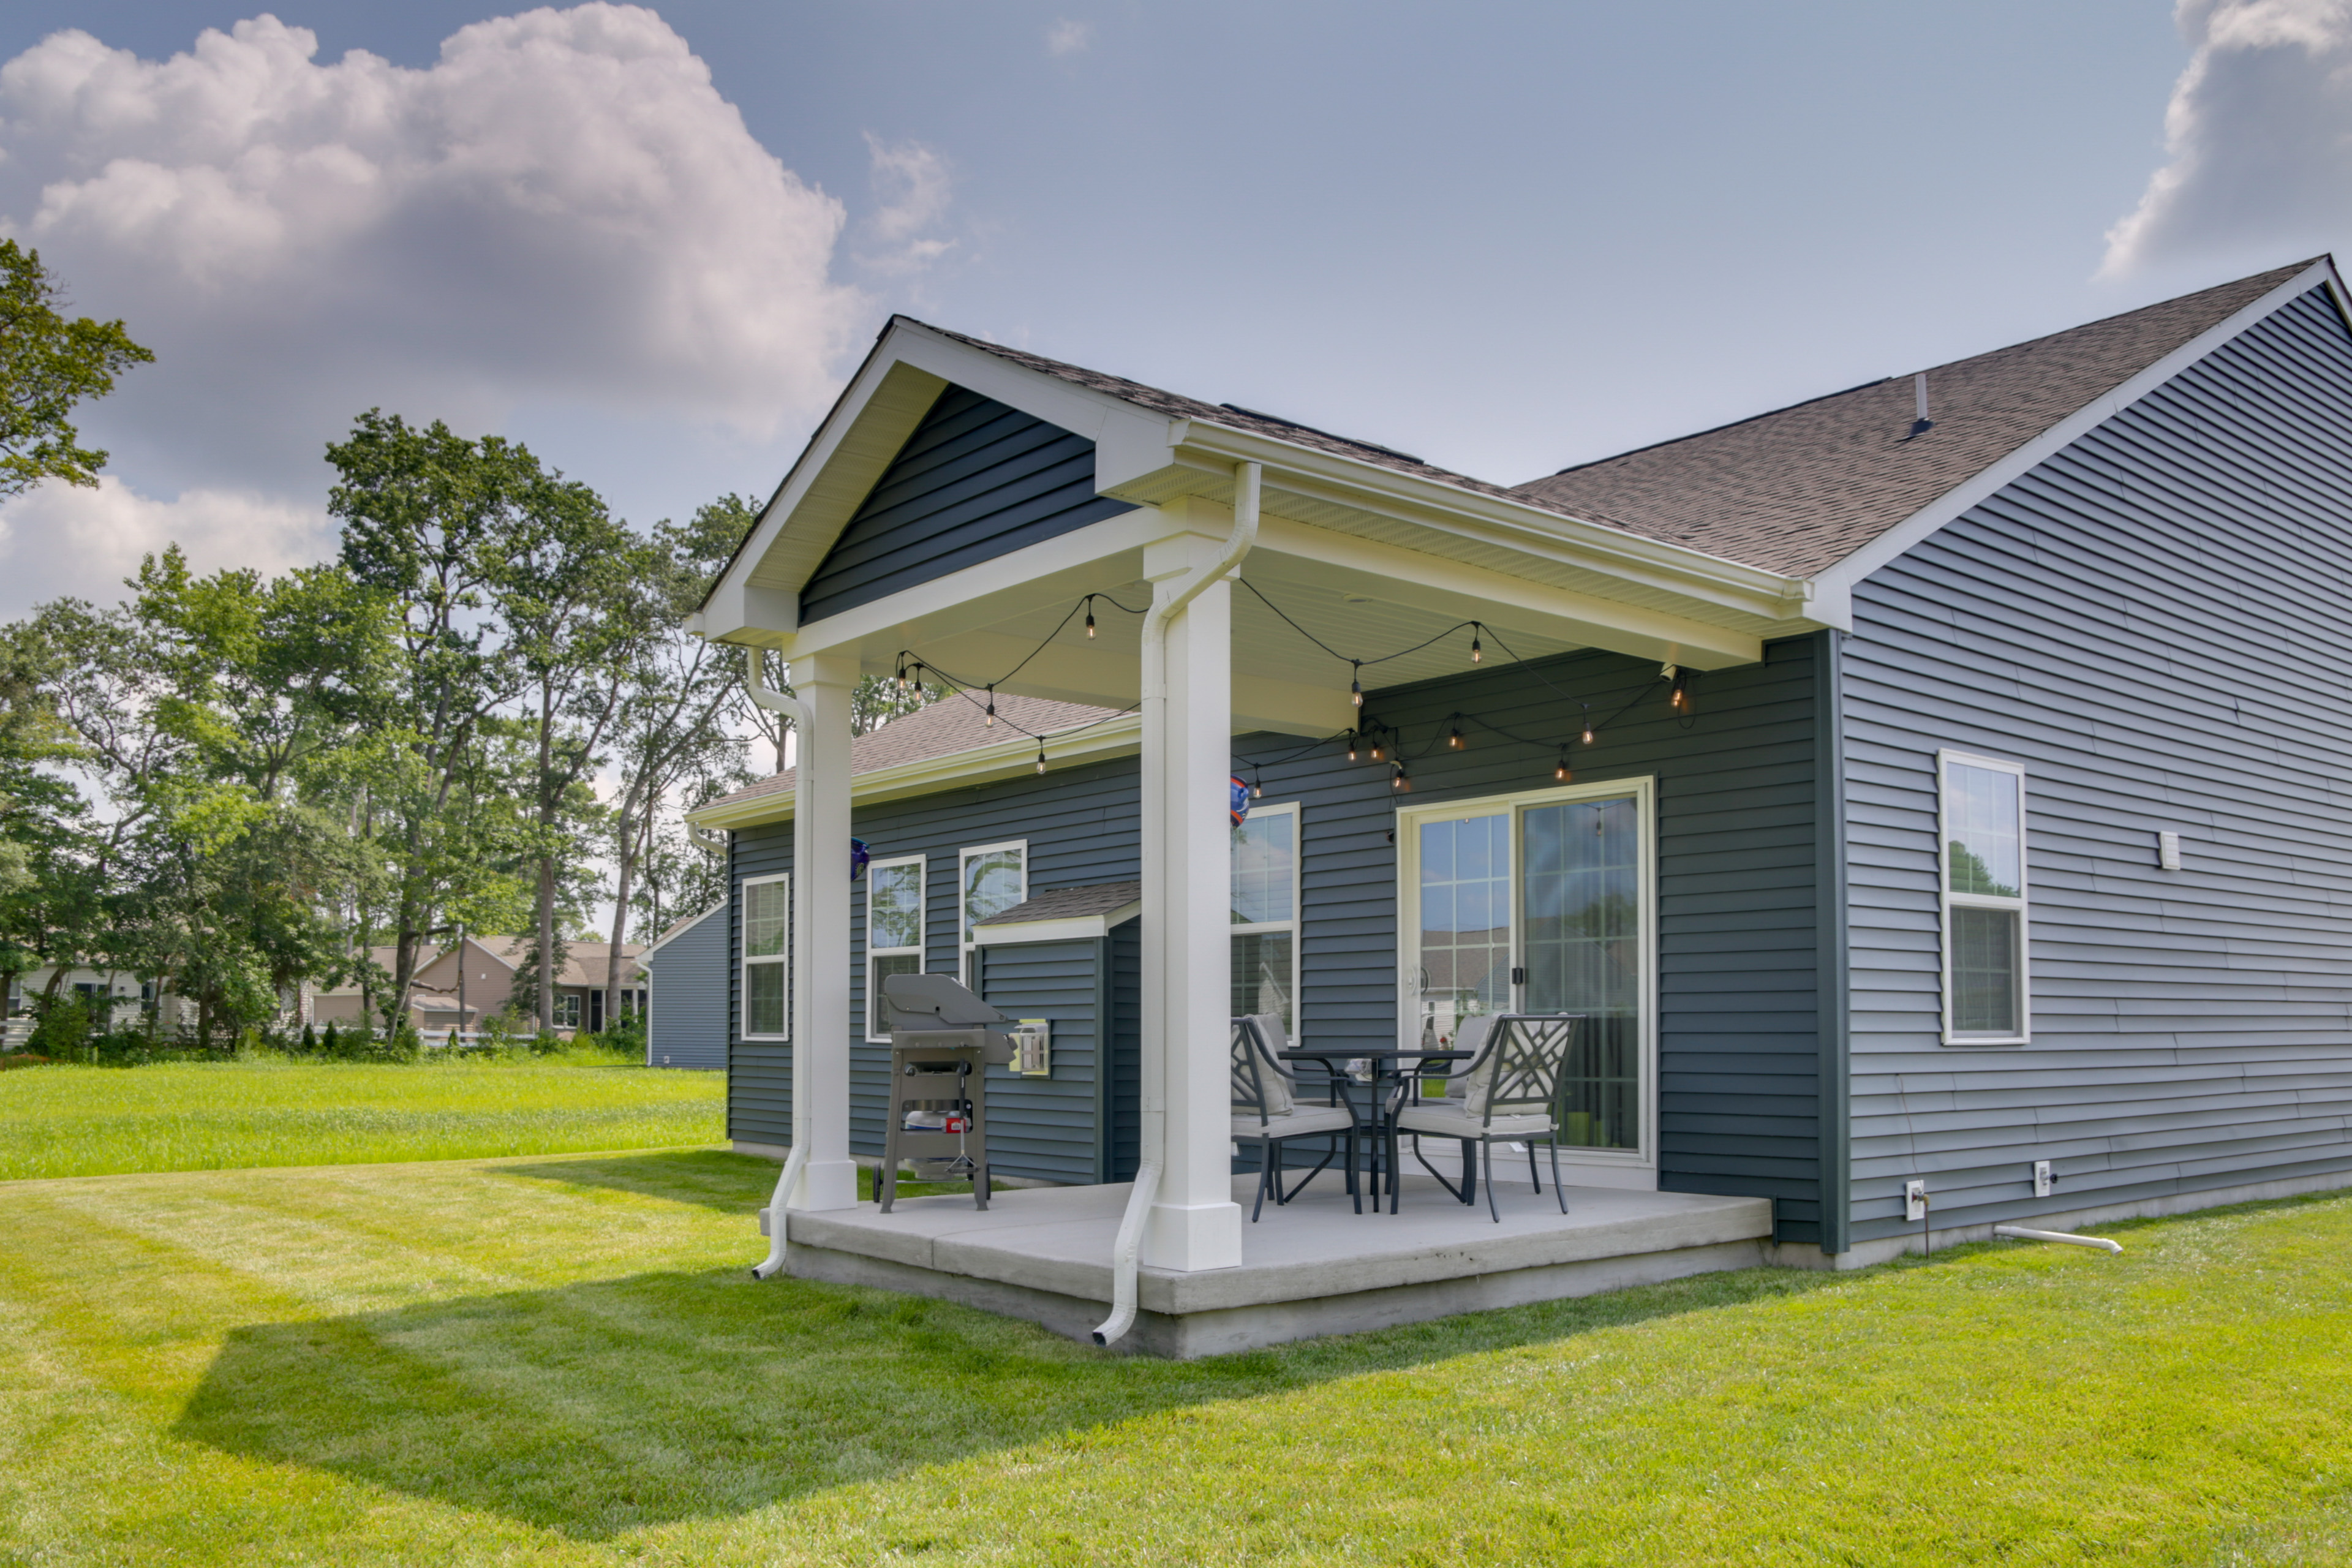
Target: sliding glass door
1540	903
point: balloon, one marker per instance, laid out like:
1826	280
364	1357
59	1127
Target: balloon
859	856
1240	804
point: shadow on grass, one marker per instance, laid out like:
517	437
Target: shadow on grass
602	1407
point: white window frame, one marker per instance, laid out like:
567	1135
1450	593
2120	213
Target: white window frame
1605	1167
875	1018
965	946
1947	900
1293	810
568	1010
745	962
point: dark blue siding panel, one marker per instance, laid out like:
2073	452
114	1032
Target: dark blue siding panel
1046	1126
1738	1087
2156	623
977	479
686	998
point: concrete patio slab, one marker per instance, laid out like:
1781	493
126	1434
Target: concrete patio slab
1313	1266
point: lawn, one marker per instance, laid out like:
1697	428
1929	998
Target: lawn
204	1116
564	1360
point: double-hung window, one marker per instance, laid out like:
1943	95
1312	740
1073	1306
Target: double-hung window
894	932
991	880
567	1009
1266	914
1983	872
767	958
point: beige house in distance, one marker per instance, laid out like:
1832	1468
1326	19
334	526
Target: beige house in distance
476	980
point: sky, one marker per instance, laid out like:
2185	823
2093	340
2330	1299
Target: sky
653	243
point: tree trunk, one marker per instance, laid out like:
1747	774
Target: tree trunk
627	841
546	999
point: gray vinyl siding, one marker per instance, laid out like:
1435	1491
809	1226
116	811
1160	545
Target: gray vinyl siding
1080	826
1738	1094
2155	623
977	479
686	997
1048	1126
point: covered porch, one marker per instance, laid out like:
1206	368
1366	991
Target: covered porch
1213	575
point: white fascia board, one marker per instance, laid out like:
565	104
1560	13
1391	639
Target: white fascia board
1840	580
1076	928
1120	736
1513	525
991	590
678	931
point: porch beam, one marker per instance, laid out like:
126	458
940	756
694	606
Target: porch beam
1458	589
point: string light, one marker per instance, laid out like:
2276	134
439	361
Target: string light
1588	723
1562	771
1378	753
1453	737
1678	698
1091	616
991	722
1040	755
1355	685
1257	784
1400	780
1351	745
1476	653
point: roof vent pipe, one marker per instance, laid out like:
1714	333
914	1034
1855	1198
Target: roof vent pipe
1126	1250
1920	424
803	854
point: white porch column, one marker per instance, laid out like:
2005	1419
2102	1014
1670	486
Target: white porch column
1188	943
821	934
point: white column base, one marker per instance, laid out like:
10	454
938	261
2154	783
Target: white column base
829	1185
1193	1236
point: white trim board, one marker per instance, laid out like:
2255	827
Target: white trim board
1072	928
1834	585
678	931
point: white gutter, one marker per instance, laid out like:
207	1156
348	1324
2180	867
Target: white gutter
2019	1232
704	839
1154	1088
803	855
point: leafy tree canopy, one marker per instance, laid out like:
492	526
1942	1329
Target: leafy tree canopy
48	364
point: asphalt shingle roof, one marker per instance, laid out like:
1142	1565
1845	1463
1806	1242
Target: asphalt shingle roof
955	724
1071	903
1799	489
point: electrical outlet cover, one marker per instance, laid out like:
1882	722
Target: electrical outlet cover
1915	1199
2043	1179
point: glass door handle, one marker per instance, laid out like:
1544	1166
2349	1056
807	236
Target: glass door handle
1518	975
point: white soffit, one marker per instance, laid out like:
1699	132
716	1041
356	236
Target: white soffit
1074	927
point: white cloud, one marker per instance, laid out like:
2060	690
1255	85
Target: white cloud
63	539
560	210
911	191
1066	37
2258	136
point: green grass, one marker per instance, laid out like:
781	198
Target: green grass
564	1360
204	1116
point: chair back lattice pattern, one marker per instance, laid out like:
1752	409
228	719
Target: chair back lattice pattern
1258	1086
1526	1053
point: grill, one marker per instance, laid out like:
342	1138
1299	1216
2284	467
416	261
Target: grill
941	1038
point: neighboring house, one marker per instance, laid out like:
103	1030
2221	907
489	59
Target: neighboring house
685	977
125	997
1919	784
430	1009
492	964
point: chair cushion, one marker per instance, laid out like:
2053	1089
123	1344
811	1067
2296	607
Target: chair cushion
1274	1086
1447	1122
1304	1122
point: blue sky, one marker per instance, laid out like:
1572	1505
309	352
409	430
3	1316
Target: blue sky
1503	237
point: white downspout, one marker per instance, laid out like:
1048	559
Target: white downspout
804	803
1153	1093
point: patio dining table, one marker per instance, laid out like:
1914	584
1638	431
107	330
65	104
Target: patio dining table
1387	1071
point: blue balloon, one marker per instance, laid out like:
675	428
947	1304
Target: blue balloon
1240	806
859	858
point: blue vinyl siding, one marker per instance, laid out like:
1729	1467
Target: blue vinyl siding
2155	623
686	997
977	479
1738	1084
1079	824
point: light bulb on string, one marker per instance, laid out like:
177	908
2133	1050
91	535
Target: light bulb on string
1476	653
1090	615
1679	697
1351	745
1356	683
1257	784
1379	753
991	722
1041	757
1588	723
1453	737
1400	780
1562	771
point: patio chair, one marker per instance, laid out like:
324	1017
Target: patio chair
1266	1113
1509	1093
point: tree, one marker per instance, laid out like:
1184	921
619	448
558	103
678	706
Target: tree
46	365
429	519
